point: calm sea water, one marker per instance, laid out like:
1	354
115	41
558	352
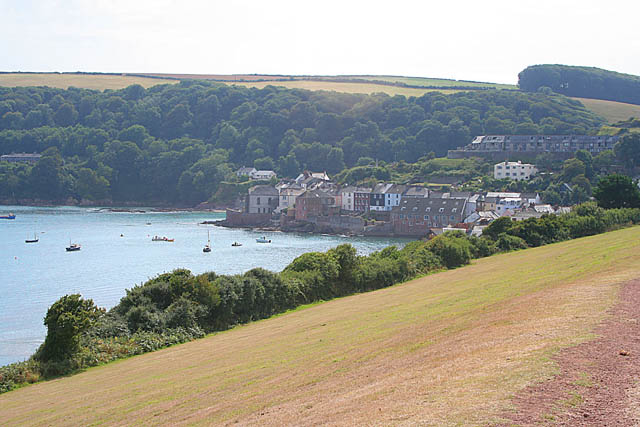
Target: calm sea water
117	253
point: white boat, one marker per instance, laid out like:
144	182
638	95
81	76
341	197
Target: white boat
263	239
207	247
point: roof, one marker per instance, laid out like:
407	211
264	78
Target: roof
529	195
396	189
245	170
316	194
422	205
543	208
263	190
381	188
289	191
502	195
460	194
23	155
415	191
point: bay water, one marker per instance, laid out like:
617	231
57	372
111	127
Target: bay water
117	252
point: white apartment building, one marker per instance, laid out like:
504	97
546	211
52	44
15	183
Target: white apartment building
517	171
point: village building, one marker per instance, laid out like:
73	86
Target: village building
348	199
393	195
378	197
362	199
314	203
245	171
516	171
508	204
415	217
20	158
416	191
261	199
511	146
311	180
265	175
287	195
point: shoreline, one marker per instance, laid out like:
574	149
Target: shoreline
137	208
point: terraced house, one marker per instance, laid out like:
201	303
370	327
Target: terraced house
510	146
415	216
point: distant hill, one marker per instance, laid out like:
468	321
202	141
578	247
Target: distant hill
451	348
582	82
391	85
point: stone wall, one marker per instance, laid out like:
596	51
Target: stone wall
242	219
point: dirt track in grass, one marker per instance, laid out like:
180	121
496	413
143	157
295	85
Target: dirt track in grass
599	380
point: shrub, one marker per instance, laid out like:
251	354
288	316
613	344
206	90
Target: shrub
507	243
65	320
453	248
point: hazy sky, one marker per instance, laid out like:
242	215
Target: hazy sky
474	40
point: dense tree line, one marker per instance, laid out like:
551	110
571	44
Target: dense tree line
176	143
179	306
583	82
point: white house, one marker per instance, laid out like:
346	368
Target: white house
348	198
508	204
245	171
393	195
517	171
262	175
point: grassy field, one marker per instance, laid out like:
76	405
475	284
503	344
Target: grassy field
85	81
611	110
446	349
347	87
424	81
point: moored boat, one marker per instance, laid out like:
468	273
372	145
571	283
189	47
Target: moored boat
263	239
236	244
207	247
9	216
34	240
161	239
73	247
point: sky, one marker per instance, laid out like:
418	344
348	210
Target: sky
490	40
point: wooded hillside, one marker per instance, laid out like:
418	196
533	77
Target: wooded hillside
583	82
176	143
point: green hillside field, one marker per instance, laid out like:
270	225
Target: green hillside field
447	349
612	111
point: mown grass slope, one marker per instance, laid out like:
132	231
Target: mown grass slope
84	81
612	111
445	349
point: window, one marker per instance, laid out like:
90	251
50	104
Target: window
454	210
426	217
428	209
258	201
441	210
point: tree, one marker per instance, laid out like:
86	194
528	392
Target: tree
572	168
90	185
617	191
66	115
627	150
66	319
585	157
